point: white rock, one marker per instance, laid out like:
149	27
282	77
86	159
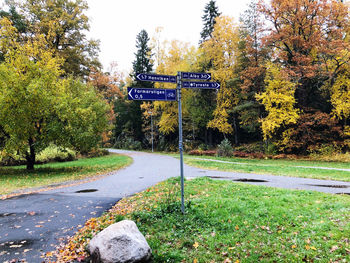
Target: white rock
120	243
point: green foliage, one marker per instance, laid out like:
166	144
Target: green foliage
271	148
38	107
64	25
127	143
225	148
143	59
56	154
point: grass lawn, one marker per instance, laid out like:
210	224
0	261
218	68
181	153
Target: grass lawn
230	222
296	168
18	178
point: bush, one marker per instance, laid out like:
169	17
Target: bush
56	154
225	149
49	154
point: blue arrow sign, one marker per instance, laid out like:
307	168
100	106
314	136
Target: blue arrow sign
193	75
201	85
156	77
151	94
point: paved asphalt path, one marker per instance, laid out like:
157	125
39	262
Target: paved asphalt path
33	224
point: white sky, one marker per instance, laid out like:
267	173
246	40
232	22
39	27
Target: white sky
116	23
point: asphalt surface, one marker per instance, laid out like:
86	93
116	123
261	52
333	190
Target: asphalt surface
33	224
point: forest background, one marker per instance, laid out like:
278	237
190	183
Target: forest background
283	69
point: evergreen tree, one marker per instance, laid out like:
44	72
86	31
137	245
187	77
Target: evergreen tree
143	61
211	12
142	64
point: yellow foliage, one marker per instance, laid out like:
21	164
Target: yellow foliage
179	57
340	97
278	100
221	49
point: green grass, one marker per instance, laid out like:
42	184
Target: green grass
18	178
274	167
232	222
226	220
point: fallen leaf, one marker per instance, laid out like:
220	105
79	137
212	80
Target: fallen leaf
334	248
196	245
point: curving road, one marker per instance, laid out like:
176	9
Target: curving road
33	224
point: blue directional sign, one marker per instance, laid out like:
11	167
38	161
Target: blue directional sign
155	77
194	75
151	94
201	85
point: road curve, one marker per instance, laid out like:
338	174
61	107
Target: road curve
33	224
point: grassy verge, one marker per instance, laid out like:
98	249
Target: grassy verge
18	178
230	222
296	168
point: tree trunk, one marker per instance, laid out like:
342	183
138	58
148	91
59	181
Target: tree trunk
235	130
30	156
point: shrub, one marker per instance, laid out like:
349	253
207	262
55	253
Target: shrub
56	154
225	148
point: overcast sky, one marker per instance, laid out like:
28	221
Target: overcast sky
117	22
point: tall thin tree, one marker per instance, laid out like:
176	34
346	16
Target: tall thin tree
211	12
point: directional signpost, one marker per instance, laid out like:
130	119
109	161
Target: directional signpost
151	94
194	75
200	85
170	95
156	78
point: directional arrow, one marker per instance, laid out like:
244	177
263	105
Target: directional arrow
151	94
156	77
194	75
201	85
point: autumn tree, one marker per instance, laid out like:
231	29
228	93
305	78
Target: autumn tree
38	106
250	69
221	49
307	36
278	100
309	41
64	25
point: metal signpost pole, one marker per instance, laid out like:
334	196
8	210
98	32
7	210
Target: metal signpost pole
181	142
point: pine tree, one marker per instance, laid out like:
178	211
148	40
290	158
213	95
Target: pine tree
211	12
143	62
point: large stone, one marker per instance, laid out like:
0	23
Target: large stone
120	243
